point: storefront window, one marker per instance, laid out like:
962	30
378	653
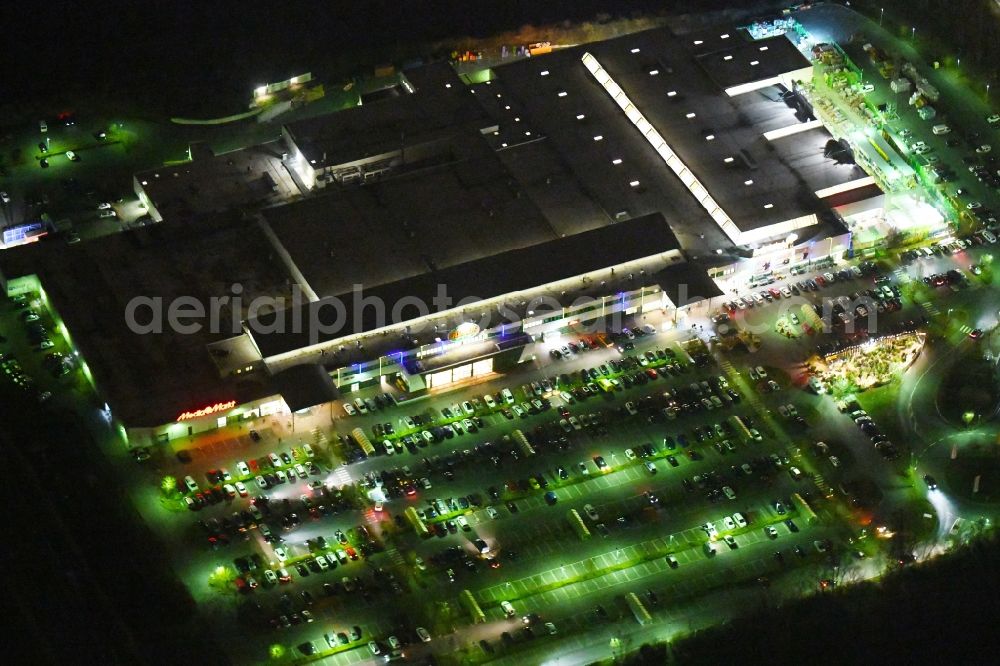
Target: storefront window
439	379
272	407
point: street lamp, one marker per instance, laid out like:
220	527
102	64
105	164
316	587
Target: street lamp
880	15
913	33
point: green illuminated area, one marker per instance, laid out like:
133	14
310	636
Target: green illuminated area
642	531
655	554
743	457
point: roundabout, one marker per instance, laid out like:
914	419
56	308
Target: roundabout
950	400
969	392
966	465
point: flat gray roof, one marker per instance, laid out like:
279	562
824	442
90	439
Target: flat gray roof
384	125
215	183
804	154
513	272
484	218
548	95
585	165
739	59
564	198
151	378
411	223
304	386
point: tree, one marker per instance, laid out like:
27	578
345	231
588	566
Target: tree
168	485
222	578
750	340
895	238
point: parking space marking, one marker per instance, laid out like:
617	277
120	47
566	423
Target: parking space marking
537	540
342	476
395	556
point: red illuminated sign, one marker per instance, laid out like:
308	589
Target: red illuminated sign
206	411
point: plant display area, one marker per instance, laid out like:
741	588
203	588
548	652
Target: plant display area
873	363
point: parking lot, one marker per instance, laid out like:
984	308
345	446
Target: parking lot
663	473
694	468
954	146
679	440
939	126
695	462
36	358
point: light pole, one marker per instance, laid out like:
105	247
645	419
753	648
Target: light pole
880	15
987	92
913	33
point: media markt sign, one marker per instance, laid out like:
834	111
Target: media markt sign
464	331
207	411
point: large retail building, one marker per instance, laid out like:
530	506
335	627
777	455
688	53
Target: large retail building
556	192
